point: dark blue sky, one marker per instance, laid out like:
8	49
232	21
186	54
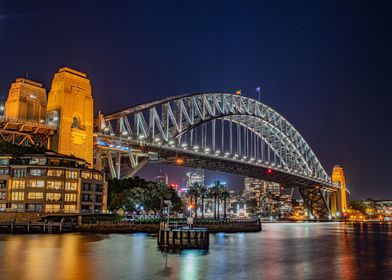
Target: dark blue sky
325	65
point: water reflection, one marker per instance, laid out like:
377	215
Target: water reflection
281	251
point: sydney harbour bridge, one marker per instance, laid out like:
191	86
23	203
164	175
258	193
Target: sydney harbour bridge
216	131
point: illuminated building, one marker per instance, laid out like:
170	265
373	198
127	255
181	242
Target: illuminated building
194	177
26	100
162	178
50	182
70	107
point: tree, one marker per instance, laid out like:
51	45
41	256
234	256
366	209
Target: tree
225	194
215	191
203	194
194	192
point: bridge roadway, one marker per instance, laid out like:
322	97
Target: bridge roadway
189	158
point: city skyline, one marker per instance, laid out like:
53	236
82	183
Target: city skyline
285	53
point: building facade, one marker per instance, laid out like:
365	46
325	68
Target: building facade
193	177
51	183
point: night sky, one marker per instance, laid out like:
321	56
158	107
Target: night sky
324	65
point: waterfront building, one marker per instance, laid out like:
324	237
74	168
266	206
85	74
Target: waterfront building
50	182
162	177
261	195
26	100
193	177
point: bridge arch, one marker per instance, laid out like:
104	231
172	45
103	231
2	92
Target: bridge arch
165	122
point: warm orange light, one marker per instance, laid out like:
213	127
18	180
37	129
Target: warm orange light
179	161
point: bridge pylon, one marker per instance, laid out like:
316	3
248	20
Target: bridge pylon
338	202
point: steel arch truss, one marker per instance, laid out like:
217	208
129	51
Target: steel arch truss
167	122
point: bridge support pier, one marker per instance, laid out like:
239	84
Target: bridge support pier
341	195
315	201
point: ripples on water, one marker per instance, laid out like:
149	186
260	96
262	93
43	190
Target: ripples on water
281	251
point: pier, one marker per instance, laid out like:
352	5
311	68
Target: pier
173	237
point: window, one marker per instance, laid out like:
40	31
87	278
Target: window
86	187
71	174
34	207
4	171
54	162
99	188
70	186
85	197
55	172
37	172
53	197
54	185
52	207
4	161
19	172
71	197
37	161
86	175
97	176
3	184
3	195
75	122
36	183
69	208
17	196
18	184
17	206
35	195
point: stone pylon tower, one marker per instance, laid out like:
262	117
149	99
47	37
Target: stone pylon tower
26	100
341	195
70	108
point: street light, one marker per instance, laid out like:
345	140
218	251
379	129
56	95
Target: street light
169	205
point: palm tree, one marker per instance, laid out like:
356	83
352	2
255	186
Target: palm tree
163	192
194	191
225	194
203	193
215	190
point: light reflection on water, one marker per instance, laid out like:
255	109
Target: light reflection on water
281	251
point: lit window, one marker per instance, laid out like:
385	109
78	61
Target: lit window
4	161
54	185
36	184
71	174
37	161
37	172
97	176
3	195
17	196
54	162
18	184
86	175
70	197
69	208
35	195
70	186
55	172
52	207
53	196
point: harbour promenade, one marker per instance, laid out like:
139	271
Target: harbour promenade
109	223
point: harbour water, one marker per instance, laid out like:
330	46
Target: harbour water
280	251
